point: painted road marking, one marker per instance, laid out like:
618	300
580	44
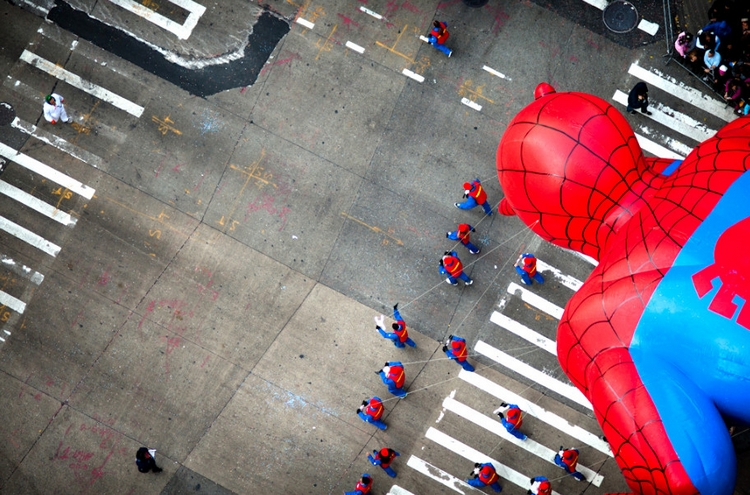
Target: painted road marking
683	92
397	490
29	237
58	143
538	302
649	27
444	478
496	73
87	86
355	47
673	119
12	303
182	31
370	12
475	456
37	204
671	143
22	270
533	374
498	429
524	332
528	407
584	257
305	22
411	74
568	281
46	171
471	104
656	149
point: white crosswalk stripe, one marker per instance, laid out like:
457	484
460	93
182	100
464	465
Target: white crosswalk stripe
497	428
528	407
475	456
538	302
82	84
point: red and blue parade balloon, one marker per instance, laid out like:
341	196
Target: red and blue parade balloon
658	337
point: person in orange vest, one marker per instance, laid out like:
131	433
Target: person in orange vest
401	337
452	268
485	475
512	418
463	234
394	376
526	268
455	349
383	458
371	411
438	35
568	460
475	195
539	486
364	484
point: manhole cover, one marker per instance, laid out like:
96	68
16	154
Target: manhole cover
7	113
620	16
475	3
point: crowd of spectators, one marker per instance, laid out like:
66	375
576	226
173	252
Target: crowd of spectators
720	52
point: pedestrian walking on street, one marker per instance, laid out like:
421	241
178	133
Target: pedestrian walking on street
484	475
144	459
455	349
438	35
475	196
394	376
568	460
364	484
371	411
451	266
401	337
463	234
512	418
383	458
638	98
540	486
526	268
54	110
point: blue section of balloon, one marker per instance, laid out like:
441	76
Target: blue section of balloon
694	361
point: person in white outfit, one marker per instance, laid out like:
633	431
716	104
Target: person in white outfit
54	109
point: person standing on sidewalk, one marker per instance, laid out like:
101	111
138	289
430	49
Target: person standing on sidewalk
475	196
452	268
438	35
568	460
394	376
485	475
455	349
512	418
54	110
401	337
638	98
526	268
364	485
463	234
144	459
383	458
371	411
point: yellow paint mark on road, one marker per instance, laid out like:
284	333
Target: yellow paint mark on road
472	93
327	43
375	229
393	50
159	219
253	172
165	125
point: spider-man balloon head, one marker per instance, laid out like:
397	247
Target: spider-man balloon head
658	337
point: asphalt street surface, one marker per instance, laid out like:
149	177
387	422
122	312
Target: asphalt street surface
243	188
